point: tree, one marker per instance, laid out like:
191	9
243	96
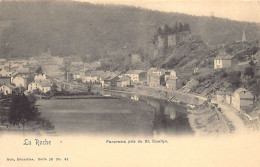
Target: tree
186	27
180	27
251	63
166	30
234	78
175	29
249	72
89	88
159	31
39	70
22	110
256	89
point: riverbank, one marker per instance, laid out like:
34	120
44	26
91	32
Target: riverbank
83	97
204	117
208	119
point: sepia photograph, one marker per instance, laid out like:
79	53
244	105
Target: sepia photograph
85	80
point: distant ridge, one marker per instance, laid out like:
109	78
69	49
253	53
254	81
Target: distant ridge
74	28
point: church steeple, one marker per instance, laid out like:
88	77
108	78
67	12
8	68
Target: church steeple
244	36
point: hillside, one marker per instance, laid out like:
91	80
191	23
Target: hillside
197	74
99	31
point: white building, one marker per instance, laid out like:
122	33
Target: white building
2	61
21	81
6	89
136	75
124	81
57	60
77	64
242	98
44	86
170	74
5	73
40	77
223	60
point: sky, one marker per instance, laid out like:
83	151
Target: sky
241	10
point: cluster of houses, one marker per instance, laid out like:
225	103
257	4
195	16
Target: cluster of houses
18	75
241	99
153	77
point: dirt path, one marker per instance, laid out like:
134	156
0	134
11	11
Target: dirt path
231	115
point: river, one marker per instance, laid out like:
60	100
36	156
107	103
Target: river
129	115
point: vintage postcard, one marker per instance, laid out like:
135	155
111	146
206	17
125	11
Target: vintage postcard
106	83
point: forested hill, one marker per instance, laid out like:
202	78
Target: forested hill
75	28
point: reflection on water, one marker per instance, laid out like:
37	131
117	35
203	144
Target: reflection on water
134	115
169	118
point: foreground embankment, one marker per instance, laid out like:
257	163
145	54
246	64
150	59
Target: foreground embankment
204	117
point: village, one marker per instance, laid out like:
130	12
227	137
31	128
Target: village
49	75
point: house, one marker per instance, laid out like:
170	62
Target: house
7	89
77	64
242	98
23	70
2	61
40	77
33	86
32	61
154	77
155	80
171	83
96	76
57	60
124	81
43	86
22	81
46	86
5	80
69	77
136	76
160	71
111	81
223	60
221	96
5	73
228	99
170	74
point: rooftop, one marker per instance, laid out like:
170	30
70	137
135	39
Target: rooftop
135	71
223	56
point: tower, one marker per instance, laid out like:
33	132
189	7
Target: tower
244	36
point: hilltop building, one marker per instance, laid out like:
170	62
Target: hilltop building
223	60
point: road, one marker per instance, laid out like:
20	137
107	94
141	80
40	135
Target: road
231	115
